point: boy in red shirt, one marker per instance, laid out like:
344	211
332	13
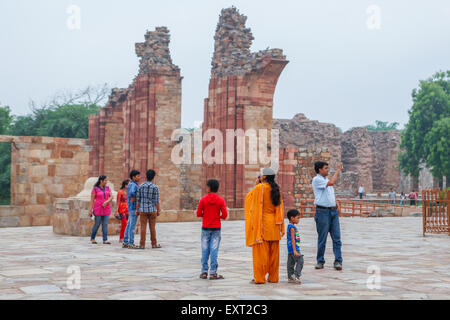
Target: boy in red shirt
211	208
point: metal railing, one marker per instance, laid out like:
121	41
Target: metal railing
435	211
348	207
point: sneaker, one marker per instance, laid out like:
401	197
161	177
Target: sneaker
338	265
319	265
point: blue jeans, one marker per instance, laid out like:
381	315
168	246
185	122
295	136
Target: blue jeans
328	221
104	221
210	250
128	237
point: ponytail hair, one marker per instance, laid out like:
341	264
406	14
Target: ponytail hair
275	192
100	179
124	183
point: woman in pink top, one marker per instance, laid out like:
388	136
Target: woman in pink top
101	198
412	198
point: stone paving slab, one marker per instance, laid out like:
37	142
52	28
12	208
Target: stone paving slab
34	264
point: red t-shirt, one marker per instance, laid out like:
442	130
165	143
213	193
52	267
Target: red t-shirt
210	208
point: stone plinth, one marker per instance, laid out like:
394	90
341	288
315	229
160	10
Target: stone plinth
71	215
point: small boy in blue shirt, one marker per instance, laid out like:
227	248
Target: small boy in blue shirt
295	258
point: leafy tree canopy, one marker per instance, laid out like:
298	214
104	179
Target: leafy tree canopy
383	126
423	140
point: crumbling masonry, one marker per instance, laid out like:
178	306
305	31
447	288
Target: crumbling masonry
134	131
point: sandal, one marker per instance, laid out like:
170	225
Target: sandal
93	242
133	246
216	277
106	242
156	247
204	275
124	245
253	281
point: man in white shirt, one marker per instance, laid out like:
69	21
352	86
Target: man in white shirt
392	196
326	216
361	191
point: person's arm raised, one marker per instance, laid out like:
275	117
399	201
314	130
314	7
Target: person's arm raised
335	177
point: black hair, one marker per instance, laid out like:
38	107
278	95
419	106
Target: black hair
124	183
275	192
213	185
100	179
319	165
292	213
134	173
150	174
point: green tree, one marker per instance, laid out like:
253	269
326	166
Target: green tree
438	140
5	119
66	121
383	126
5	156
420	141
66	115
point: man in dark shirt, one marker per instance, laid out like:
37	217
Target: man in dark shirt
147	208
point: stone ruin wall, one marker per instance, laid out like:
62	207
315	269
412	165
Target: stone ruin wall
296	172
369	157
240	96
42	170
134	130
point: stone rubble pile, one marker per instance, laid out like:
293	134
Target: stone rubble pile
154	52
369	157
232	54
117	95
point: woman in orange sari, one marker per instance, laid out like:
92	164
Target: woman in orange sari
122	208
264	227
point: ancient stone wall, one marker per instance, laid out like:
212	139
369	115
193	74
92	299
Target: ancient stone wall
42	169
369	157
296	173
105	137
300	132
240	97
134	130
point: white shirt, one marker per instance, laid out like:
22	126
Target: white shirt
323	194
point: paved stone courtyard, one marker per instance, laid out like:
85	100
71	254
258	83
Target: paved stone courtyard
34	262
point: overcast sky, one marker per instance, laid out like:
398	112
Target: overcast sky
348	65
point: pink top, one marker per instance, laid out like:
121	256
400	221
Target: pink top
101	195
